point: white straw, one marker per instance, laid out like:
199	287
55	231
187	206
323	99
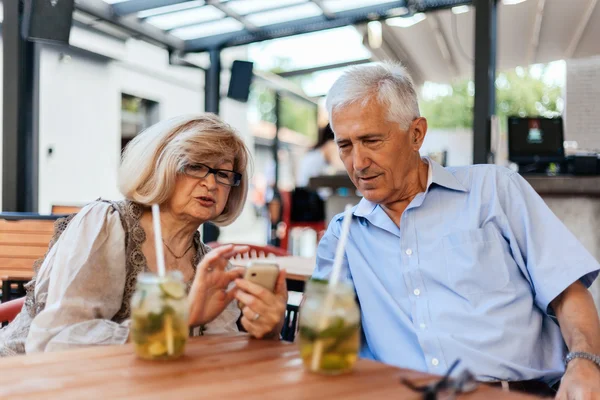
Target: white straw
341	247
333	281
158	242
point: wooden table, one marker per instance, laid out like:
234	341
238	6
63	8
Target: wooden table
214	367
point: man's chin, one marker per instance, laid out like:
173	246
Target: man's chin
372	195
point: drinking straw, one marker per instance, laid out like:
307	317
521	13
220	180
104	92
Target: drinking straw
158	242
160	262
333	281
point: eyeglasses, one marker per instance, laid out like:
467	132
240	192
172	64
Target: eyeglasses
222	176
446	388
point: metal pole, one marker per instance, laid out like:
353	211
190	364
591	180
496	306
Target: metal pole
212	98
20	115
212	82
275	147
485	77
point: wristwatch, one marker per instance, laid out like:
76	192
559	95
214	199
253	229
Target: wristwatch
580	354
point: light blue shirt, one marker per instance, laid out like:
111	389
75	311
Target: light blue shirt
468	275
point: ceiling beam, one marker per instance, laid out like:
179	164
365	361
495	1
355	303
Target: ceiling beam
585	19
306	71
135	6
230	13
305	25
103	11
442	43
282	85
417	6
535	32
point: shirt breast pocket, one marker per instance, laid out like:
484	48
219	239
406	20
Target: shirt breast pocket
475	261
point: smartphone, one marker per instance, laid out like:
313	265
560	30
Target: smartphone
262	273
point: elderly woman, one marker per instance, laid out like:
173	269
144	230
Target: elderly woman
195	168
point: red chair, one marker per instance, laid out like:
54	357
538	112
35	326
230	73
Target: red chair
10	309
255	251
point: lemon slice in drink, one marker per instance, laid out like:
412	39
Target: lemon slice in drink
157	349
173	290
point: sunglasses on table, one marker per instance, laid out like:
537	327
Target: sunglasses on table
222	176
446	388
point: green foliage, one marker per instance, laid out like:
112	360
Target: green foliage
518	92
454	110
296	115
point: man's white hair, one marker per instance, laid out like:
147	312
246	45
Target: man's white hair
387	82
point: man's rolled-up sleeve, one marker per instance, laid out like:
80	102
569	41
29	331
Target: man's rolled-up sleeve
549	255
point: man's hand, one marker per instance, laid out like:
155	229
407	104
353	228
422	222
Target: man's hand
574	308
580	382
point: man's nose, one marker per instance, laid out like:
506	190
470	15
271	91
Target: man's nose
361	160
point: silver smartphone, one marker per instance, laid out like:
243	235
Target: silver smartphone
263	273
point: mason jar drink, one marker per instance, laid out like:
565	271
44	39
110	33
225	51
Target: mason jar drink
329	334
159	321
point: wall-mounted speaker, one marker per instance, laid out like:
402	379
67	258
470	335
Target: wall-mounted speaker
47	20
241	78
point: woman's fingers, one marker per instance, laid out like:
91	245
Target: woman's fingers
253	288
281	286
232	275
255	303
228	251
219	257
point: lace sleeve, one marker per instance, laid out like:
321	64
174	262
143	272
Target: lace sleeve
86	275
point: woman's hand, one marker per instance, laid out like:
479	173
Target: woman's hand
263	312
209	295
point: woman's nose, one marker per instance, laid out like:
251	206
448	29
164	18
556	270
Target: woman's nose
209	181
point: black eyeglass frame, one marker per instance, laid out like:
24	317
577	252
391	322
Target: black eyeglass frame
236	175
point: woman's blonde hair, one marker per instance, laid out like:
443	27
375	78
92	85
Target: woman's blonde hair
152	160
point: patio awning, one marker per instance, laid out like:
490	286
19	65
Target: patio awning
199	25
439	46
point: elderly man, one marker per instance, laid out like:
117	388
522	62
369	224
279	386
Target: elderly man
456	263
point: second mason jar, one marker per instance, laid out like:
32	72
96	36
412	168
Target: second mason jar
329	334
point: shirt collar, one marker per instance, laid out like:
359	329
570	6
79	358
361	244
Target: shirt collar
435	174
443	177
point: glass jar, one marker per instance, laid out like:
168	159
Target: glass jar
329	334
159	320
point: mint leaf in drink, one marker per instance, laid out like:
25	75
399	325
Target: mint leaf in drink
335	328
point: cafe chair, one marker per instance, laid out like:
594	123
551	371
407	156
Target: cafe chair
10	309
254	251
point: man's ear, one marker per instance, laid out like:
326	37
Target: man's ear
418	130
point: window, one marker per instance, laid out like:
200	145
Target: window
137	114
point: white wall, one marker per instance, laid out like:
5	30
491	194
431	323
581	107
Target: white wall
80	116
458	143
582	106
80	120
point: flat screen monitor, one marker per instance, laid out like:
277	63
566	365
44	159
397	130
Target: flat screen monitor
535	139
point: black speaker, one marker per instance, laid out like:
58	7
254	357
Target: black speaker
47	20
241	78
